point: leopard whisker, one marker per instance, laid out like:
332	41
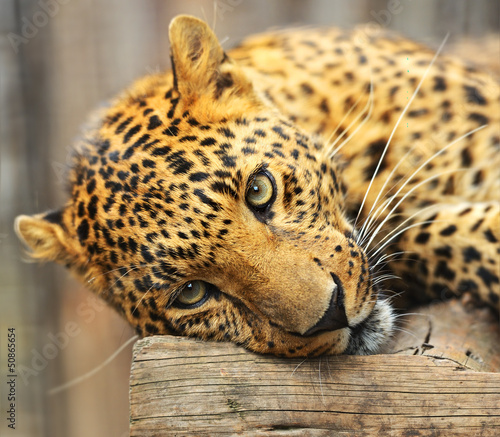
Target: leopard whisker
425	181
370	250
382	156
330	147
439	152
369	105
92	372
298	365
141	299
383	259
384	278
405	331
383	246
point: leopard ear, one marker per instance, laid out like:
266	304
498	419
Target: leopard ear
45	235
200	65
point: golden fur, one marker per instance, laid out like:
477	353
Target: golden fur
161	185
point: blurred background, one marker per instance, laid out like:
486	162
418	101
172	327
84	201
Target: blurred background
58	60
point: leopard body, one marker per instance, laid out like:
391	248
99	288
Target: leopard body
257	196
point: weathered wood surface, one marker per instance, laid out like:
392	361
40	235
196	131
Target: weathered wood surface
181	386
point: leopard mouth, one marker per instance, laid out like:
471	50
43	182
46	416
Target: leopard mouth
372	335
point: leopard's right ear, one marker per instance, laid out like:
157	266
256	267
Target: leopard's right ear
204	74
46	236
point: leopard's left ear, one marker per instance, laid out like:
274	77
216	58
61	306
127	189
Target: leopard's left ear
201	67
45	235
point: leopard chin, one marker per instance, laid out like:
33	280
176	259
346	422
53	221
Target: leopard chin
372	335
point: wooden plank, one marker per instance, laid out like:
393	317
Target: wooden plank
181	386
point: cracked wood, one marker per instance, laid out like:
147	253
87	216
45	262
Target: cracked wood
428	385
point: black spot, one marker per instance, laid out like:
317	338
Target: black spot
140	142
154	122
306	88
473	95
393	91
466	157
113	119
179	163
422	237
207	200
229	161
248	151
476	225
450	230
132	131
487	277
417	112
224	188
478	118
171	131
161	151
121	127
471	254
280	132
439	83
92	207
91	186
489	236
146	254
114	156
349	76
182	235
198	177
83	230
188	138
444	251
443	271
132	244
323	106
226	132
174	103
148	163
467	285
209	141
151	329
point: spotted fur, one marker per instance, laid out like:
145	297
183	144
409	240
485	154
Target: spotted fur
161	184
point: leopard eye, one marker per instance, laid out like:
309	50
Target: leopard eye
192	294
260	192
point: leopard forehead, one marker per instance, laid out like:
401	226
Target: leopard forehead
151	173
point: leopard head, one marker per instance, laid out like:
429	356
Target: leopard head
197	209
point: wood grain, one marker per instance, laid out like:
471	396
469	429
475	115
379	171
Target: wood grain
181	386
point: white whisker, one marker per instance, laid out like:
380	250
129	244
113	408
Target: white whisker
369	105
396	126
425	181
330	147
91	373
383	246
370	251
439	152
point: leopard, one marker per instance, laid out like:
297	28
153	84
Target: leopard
274	194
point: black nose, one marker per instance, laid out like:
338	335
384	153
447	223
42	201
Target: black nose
335	316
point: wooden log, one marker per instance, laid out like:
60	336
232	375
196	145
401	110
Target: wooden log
428	385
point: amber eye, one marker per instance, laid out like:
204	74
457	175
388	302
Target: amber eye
192	293
260	191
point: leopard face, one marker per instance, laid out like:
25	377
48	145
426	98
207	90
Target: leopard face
197	209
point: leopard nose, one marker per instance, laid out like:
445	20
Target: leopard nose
335	316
